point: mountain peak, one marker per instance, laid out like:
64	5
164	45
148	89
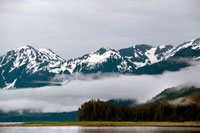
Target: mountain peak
27	64
196	41
194	44
102	50
46	50
25	47
105	48
143	47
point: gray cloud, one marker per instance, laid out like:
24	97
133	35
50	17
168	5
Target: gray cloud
72	28
70	96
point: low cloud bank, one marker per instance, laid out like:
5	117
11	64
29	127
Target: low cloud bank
83	88
181	102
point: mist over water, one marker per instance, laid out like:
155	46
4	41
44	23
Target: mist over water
81	88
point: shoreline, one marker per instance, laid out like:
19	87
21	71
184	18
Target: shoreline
105	124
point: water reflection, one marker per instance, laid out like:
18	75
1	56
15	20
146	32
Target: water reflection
75	129
138	129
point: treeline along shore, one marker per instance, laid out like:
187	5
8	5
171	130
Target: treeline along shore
96	110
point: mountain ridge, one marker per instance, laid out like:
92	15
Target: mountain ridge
30	67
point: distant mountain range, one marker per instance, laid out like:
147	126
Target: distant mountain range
29	67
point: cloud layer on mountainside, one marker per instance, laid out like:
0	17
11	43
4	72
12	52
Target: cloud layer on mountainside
83	88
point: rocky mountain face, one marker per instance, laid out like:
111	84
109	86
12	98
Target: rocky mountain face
30	67
122	61
174	59
138	59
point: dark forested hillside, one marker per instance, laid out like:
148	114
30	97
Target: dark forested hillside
101	111
175	92
179	109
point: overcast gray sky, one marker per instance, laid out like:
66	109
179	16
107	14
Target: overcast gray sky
72	28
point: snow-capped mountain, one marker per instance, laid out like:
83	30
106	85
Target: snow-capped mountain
123	61
174	59
190	49
25	65
141	55
133	59
30	67
103	60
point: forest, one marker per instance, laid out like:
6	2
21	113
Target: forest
96	110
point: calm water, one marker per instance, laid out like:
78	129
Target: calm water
10	123
75	129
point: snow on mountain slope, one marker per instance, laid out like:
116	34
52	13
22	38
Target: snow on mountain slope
125	60
129	59
55	62
29	61
30	67
97	60
151	55
190	49
142	54
100	56
196	44
34	60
